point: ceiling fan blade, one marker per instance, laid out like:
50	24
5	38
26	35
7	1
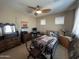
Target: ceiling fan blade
34	8
29	11
46	10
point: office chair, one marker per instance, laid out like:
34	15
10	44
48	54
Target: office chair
33	52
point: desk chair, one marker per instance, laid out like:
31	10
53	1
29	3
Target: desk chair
33	52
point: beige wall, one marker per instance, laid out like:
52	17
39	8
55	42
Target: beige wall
69	20
16	18
50	22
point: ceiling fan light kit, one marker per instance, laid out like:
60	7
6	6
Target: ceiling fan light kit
39	11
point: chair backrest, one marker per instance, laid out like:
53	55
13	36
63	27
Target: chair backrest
74	49
28	46
34	52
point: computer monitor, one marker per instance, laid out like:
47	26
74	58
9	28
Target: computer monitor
7	29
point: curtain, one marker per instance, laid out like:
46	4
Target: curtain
76	24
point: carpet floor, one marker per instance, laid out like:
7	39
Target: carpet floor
20	52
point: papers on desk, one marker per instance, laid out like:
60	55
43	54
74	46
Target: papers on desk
52	43
47	38
43	40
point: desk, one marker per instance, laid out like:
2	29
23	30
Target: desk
46	44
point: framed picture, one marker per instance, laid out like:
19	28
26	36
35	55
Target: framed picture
24	24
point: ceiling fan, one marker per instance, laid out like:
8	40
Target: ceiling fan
38	10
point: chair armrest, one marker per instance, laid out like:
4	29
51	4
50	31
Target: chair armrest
64	41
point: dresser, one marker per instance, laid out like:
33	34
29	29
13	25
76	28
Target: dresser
25	37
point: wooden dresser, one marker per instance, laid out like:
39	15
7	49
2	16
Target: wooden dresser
8	43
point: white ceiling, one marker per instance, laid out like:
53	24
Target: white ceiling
21	5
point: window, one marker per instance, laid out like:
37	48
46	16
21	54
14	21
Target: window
0	31
76	24
13	29
59	20
43	22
